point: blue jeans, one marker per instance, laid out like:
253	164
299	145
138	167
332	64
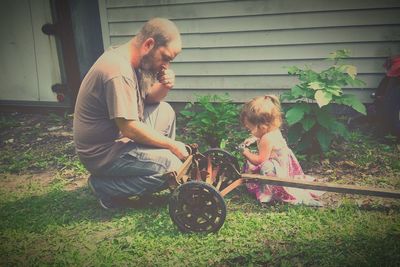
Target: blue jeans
139	171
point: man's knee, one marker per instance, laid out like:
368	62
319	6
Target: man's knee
174	163
162	108
161	117
167	109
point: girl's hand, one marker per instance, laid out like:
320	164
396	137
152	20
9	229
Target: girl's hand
245	151
250	140
243	146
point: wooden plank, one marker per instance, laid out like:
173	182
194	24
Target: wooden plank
291	21
241	8
240	96
232	186
252	81
183	170
347	189
364	66
271	22
290	52
138	3
293	37
286	37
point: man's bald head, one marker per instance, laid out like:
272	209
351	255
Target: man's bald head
163	31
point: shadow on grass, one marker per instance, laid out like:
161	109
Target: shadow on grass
352	250
58	207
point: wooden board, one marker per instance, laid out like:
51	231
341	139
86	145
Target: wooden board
339	188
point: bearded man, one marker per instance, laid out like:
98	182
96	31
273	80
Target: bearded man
124	135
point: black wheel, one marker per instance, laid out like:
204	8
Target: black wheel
225	167
220	156
197	207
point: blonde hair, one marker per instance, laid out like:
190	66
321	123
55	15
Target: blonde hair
263	110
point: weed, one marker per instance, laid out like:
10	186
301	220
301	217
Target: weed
213	121
313	127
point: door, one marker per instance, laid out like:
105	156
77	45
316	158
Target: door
29	63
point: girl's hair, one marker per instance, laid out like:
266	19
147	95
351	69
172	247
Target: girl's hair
263	110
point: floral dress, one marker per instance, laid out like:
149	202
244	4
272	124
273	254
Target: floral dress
282	163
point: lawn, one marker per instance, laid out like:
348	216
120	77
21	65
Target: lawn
50	217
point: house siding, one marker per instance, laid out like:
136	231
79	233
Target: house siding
244	47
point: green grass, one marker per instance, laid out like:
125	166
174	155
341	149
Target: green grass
50	218
51	226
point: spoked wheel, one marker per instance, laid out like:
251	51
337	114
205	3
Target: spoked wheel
197	207
220	167
222	156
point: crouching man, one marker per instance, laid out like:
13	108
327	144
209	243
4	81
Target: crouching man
123	133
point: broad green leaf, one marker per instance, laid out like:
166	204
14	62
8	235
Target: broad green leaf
338	54
325	119
324	138
309	76
322	98
352	101
187	113
293	70
355	82
340	129
308	123
315	85
334	90
298	91
296	113
341	68
286	96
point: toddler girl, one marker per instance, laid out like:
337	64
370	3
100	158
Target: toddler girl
262	117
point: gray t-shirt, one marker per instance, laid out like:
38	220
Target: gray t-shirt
109	90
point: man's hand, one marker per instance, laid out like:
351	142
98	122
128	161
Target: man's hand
179	149
159	90
167	78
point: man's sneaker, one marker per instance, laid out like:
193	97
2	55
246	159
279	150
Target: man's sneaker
107	203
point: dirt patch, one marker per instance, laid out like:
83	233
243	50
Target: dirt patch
14	182
76	183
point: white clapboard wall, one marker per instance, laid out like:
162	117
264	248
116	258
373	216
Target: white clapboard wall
244	47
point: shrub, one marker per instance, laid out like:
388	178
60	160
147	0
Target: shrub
213	121
313	127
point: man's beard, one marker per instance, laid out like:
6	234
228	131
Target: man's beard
148	71
147	80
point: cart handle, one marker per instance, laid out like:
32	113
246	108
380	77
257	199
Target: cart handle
349	189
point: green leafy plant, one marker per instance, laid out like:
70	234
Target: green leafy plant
213	120
313	127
